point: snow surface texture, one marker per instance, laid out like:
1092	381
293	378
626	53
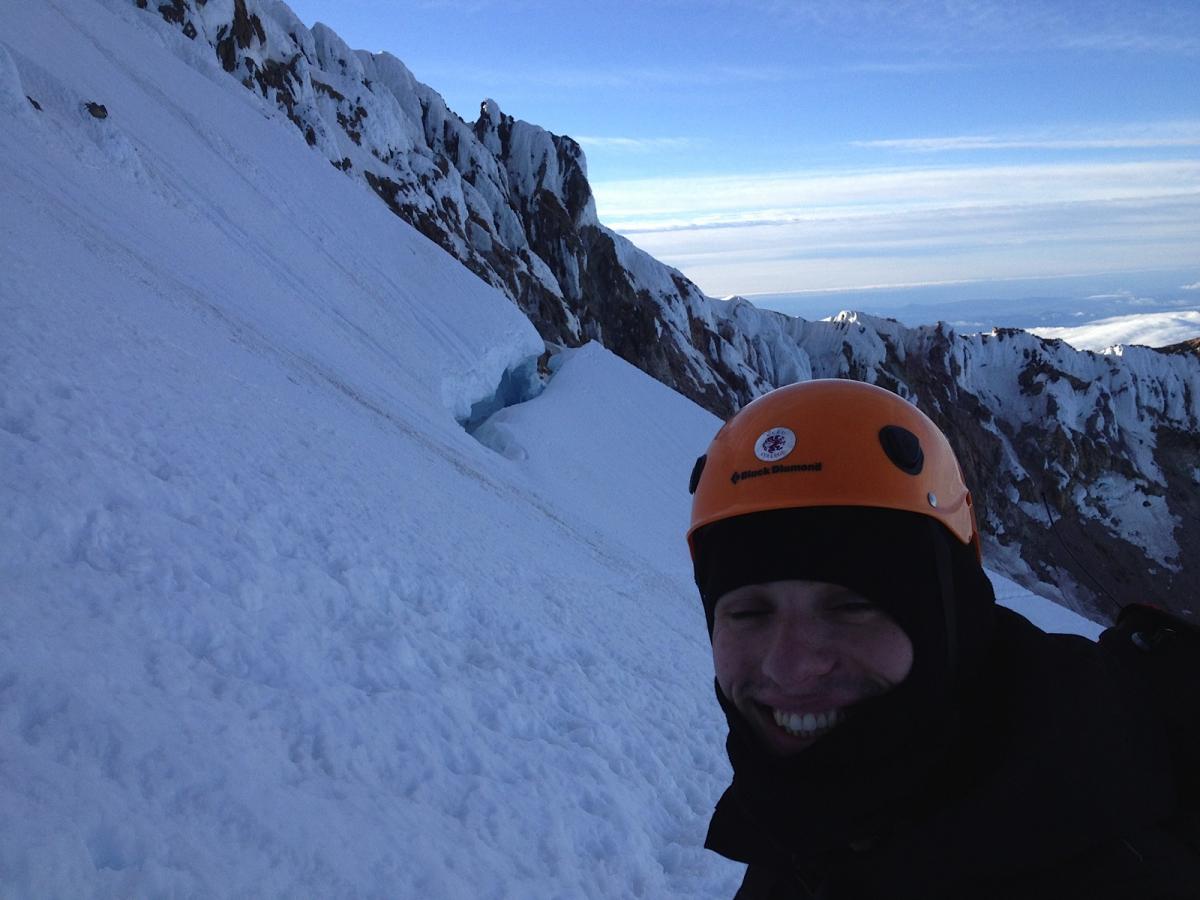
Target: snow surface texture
1148	329
273	623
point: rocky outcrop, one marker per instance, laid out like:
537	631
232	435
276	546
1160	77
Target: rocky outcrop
1085	465
510	200
1192	347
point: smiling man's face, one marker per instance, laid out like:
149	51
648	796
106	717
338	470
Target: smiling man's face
794	655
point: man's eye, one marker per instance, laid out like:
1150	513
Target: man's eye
744	614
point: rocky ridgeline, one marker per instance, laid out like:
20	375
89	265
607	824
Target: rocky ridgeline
508	199
1086	466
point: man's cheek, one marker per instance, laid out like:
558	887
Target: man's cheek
727	661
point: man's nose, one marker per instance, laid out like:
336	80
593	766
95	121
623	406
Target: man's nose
799	651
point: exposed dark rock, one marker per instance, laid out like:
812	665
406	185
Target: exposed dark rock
226	49
281	78
386	188
326	89
34	103
245	27
425	222
98	110
175	11
189	30
352	124
1191	346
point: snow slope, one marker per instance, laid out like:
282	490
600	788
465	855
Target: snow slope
273	623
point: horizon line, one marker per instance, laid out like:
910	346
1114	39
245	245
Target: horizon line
956	281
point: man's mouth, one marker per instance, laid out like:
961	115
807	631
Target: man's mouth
807	725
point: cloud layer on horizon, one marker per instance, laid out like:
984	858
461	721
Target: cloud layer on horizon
1125	137
795	231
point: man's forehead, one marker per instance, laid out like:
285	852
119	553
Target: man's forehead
797	588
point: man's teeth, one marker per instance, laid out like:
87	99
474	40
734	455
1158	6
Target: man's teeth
806	724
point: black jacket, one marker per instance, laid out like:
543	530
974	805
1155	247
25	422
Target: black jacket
1051	782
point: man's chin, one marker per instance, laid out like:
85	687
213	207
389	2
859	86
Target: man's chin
780	743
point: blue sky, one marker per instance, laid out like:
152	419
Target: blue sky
769	147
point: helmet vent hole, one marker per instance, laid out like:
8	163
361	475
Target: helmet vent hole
903	448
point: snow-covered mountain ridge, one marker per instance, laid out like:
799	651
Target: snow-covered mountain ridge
1098	444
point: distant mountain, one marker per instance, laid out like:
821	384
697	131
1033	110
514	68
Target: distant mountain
1036	311
1084	464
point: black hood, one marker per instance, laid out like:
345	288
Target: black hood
880	762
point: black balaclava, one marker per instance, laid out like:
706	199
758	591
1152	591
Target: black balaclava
876	767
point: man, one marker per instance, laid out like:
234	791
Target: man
893	733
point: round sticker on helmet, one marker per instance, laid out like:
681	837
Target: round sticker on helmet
774	444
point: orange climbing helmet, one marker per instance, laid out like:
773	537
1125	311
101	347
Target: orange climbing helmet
835	443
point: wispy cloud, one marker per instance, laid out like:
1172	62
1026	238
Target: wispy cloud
472	7
650	204
784	231
910	247
1194	286
639	145
965	26
1127	297
1146	136
1132	42
918	67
